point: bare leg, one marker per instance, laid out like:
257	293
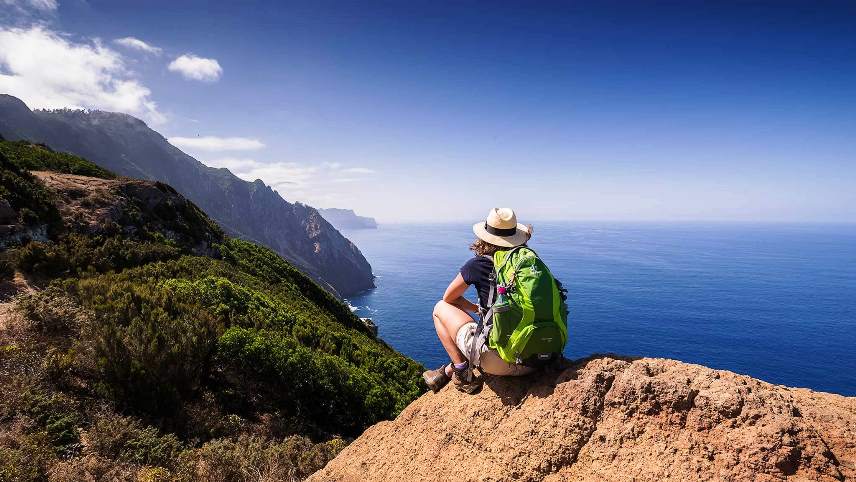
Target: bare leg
448	319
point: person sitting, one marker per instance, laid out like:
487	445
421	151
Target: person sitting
453	322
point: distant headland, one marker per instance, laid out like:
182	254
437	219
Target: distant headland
347	219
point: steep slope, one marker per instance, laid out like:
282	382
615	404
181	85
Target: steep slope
609	418
139	342
251	210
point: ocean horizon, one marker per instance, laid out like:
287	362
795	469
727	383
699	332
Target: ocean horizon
773	300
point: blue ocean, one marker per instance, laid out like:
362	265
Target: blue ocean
774	301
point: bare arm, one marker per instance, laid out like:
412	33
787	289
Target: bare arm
454	295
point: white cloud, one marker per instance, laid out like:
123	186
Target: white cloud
313	184
49	70
196	68
43	5
276	174
137	44
212	143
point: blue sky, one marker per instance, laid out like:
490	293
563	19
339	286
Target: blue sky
440	110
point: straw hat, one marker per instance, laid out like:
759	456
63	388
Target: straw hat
501	229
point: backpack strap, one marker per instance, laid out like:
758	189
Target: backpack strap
485	316
508	257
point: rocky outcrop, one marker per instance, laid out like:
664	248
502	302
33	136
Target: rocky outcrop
347	219
611	418
251	210
94	206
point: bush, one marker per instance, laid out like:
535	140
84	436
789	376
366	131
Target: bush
38	157
77	254
52	311
232	303
50	416
152	349
321	388
56	418
252	459
156	326
24	457
268	266
93	467
27	196
127	440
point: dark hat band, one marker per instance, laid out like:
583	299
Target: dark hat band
500	232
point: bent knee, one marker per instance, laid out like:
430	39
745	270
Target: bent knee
439	308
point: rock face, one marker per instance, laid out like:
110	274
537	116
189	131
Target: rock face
251	210
347	219
610	418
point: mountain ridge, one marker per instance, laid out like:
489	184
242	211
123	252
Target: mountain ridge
252	210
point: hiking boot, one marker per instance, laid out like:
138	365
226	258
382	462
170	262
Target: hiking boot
459	379
436	379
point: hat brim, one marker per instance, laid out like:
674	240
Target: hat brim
519	237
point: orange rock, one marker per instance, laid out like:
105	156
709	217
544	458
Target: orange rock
611	418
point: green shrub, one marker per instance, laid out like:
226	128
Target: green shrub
50	416
268	266
52	311
93	467
25	457
57	417
154	339
250	459
232	303
151	348
77	254
42	258
38	157
127	440
26	194
324	389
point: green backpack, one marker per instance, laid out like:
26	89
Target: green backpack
529	317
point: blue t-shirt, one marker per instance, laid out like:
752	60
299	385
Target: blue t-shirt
477	271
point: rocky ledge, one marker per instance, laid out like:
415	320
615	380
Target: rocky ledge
611	418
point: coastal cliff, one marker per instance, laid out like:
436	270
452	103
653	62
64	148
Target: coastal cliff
611	418
253	211
139	342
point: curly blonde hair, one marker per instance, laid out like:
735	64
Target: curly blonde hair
483	248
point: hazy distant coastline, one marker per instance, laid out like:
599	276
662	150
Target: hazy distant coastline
347	219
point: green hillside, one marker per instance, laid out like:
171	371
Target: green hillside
156	348
126	146
39	157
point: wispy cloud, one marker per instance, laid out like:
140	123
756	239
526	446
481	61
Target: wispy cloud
49	70
276	174
137	44
43	5
313	184
213	143
196	68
